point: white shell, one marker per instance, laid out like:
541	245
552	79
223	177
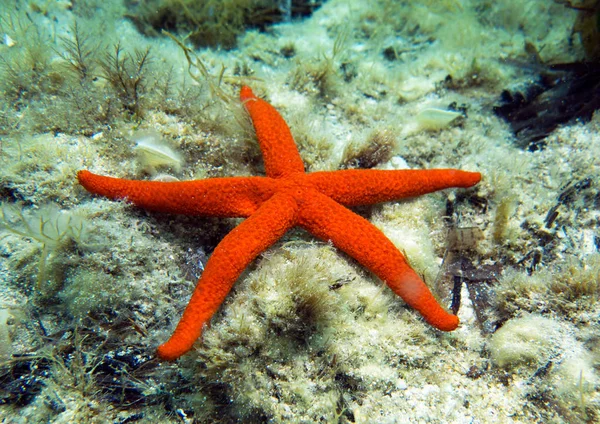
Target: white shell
433	119
153	152
9	41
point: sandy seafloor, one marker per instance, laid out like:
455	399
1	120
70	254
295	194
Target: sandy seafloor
90	287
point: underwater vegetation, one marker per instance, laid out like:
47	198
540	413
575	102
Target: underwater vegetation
307	335
92	84
560	92
215	23
48	226
565	93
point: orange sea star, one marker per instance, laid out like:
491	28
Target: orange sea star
286	197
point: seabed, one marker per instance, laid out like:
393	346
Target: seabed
148	90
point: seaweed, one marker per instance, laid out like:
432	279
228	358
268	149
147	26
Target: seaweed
212	23
89	358
563	93
126	73
321	75
22	380
78	53
25	68
559	93
378	148
49	226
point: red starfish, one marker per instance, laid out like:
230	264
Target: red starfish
286	197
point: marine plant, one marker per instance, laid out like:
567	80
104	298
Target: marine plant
126	73
49	226
214	23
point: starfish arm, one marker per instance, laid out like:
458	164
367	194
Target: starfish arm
228	260
279	150
367	186
225	197
360	239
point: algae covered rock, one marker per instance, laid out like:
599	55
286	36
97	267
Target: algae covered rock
545	350
530	341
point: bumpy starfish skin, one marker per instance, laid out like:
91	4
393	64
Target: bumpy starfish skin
286	197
